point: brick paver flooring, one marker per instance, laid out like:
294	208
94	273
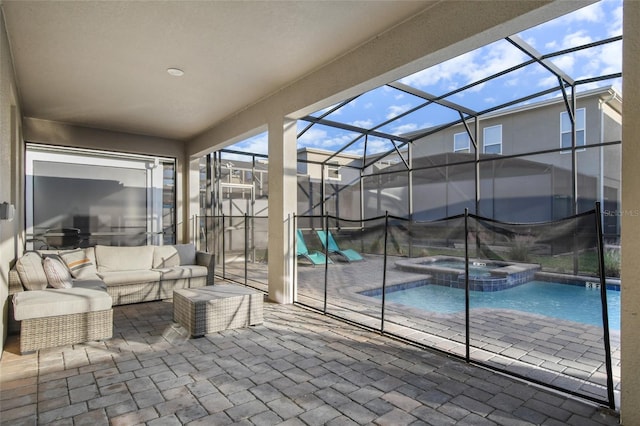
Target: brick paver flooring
564	354
298	368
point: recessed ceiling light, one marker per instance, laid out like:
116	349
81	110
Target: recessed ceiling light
176	72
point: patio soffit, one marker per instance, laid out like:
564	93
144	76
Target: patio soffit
104	64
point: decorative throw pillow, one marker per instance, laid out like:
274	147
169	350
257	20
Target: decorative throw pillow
30	271
57	273
165	257
174	255
79	264
187	254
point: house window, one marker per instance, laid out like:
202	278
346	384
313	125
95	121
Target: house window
565	129
493	139
113	198
461	142
333	171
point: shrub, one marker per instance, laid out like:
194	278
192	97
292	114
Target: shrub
521	248
612	263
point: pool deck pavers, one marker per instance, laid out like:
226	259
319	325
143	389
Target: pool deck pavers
297	368
565	354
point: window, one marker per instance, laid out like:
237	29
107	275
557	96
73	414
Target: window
565	129
333	171
112	198
461	142
493	139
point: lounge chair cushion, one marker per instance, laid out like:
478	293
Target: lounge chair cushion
179	272
37	304
327	240
114	278
124	258
31	271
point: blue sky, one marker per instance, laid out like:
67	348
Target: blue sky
592	23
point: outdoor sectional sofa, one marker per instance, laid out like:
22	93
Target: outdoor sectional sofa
99	278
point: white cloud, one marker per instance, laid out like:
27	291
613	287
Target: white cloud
319	138
612	55
575	39
395	110
404	128
616	24
441	72
255	145
547	82
565	63
552	45
470	67
591	13
377	146
363	123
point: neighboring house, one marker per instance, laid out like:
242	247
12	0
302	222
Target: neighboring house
340	175
525	168
536	185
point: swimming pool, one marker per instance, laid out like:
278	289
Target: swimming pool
484	274
567	302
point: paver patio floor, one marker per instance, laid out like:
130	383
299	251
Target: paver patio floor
298	368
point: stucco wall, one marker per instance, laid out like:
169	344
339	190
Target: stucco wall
630	309
11	170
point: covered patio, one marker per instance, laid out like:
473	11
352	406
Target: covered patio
299	367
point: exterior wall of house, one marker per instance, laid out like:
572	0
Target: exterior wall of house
342	189
531	129
630	271
512	189
11	172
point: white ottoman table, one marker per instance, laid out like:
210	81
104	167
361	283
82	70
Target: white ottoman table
214	308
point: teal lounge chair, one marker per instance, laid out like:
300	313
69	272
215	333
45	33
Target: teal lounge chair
316	258
349	255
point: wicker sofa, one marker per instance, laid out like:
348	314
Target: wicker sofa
125	274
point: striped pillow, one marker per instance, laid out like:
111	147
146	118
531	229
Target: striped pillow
57	273
79	264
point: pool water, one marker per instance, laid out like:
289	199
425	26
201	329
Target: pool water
567	302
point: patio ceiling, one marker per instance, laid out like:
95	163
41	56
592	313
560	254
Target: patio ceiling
104	64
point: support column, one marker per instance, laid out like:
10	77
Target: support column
190	204
282	207
630	212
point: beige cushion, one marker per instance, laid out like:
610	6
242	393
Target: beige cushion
110	258
79	264
57	273
174	255
114	278
53	302
187	271
31	272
